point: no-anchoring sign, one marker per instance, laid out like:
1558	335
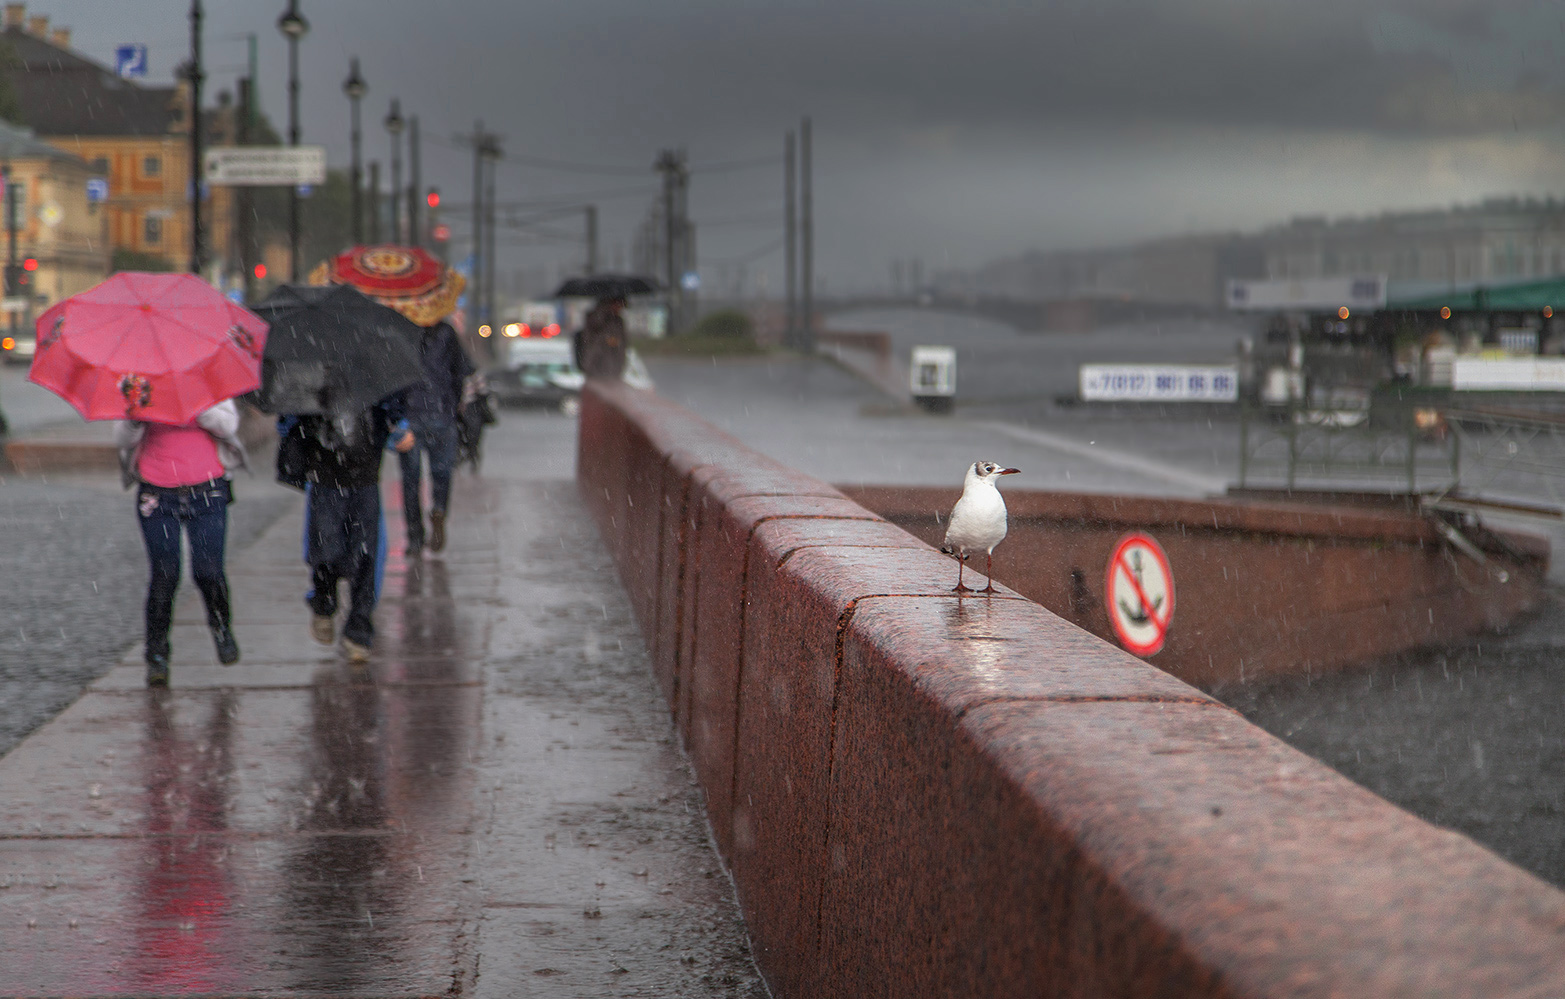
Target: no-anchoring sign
1140	593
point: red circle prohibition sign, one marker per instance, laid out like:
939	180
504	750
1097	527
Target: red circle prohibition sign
1139	593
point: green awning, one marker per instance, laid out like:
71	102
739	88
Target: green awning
1519	296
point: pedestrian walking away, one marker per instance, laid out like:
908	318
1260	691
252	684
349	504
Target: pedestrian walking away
424	290
339	458
601	342
181	475
434	406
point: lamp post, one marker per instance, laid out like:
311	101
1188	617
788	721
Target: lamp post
196	75
355	87
293	26
395	124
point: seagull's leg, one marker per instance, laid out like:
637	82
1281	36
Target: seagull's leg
988	564
961	560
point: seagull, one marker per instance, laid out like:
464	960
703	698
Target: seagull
978	520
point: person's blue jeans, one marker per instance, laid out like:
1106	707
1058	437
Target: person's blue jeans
344	523
202	512
435	434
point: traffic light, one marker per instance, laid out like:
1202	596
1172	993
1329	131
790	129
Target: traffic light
437	231
260	272
30	264
18	281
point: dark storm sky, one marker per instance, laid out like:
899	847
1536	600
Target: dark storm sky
954	131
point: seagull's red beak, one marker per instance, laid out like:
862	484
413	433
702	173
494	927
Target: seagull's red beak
1009	471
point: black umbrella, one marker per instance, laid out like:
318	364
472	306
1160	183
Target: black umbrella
607	286
333	350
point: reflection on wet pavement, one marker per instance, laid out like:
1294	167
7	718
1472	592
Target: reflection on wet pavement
483	810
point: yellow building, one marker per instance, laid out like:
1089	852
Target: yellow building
57	229
135	137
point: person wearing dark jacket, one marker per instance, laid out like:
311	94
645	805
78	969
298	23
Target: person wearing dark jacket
601	343
432	407
339	458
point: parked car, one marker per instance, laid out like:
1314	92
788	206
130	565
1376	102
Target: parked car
536	371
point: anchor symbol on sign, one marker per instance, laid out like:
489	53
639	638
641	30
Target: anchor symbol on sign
1141	613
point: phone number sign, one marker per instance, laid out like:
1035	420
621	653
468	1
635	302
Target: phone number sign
1159	383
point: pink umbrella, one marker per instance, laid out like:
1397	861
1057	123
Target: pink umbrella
159	348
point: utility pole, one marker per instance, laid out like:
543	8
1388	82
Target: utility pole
244	197
481	289
243	210
807	237
592	239
355	88
790	245
293	26
197	237
671	164
475	287
374	201
13	270
394	124
415	185
491	155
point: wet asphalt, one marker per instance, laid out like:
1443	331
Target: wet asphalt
496	806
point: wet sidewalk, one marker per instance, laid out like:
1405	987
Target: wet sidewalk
496	807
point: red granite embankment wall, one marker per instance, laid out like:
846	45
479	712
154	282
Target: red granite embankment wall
924	795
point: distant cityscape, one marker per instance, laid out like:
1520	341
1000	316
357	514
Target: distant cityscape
1499	240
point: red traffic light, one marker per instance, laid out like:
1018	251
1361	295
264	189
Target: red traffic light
260	272
30	264
433	198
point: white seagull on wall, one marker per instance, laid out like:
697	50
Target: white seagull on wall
978	521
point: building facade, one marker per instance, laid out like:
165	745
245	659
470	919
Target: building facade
134	137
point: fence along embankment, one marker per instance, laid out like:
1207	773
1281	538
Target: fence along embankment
921	795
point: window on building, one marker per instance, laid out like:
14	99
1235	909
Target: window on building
100	166
153	230
152	166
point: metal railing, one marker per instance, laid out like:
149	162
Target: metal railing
1295	445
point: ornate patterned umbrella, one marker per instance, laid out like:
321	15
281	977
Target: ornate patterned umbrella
405	278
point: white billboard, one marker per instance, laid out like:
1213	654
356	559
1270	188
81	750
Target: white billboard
1362	291
266	166
1513	374
1159	383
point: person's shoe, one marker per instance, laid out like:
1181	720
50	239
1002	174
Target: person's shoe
157	669
322	629
437	530
355	652
227	647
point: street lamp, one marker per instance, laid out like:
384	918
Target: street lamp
355	87
395	124
294	27
195	75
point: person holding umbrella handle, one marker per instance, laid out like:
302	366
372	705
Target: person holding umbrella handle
181	474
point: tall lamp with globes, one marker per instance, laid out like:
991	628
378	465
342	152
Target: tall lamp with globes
294	27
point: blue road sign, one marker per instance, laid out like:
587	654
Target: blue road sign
130	61
97	189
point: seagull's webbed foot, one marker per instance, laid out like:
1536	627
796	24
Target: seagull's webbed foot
988	589
959	588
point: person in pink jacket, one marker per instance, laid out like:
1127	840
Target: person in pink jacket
182	482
